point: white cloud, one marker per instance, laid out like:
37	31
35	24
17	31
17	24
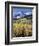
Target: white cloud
28	13
18	17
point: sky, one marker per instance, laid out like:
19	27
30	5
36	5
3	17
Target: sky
21	11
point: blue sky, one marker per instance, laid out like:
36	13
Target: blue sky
27	11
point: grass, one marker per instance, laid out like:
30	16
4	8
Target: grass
21	28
